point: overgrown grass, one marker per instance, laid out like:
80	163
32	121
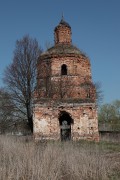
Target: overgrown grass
23	159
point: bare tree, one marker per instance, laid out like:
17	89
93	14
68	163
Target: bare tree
99	93
20	75
109	116
6	110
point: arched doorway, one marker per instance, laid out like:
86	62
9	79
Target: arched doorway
65	122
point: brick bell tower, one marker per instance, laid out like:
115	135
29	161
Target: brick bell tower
65	96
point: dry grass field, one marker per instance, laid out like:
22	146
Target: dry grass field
23	159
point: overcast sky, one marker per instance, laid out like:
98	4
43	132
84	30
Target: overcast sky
95	30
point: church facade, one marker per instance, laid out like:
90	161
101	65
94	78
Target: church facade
65	96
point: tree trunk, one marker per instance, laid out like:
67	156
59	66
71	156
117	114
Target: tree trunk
29	117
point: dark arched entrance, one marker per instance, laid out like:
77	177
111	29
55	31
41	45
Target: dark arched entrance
65	121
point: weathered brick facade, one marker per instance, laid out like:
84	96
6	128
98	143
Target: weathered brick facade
64	105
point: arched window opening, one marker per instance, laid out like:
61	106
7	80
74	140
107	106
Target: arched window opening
88	93
64	69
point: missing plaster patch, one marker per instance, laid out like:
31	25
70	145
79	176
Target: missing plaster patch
43	123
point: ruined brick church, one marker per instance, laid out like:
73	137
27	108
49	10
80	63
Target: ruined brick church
65	96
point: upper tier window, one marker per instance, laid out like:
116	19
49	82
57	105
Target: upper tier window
64	69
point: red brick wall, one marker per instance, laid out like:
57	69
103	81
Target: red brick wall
85	124
62	35
73	85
